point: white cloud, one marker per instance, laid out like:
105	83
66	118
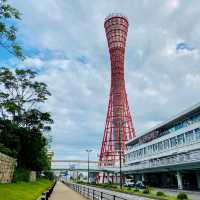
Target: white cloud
160	82
173	4
33	62
193	80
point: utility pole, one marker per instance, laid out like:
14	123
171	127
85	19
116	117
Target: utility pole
88	151
121	124
120	157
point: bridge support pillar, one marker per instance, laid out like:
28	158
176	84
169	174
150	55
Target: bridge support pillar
142	177
198	180
179	180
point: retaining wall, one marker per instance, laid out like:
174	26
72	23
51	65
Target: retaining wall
7	167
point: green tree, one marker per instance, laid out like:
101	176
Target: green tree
20	94
8	29
29	146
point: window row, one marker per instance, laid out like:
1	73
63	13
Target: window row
182	139
182	124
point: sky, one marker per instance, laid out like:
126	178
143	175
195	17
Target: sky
64	40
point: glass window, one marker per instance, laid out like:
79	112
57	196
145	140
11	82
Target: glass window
150	149
166	144
197	133
179	125
155	147
173	142
135	154
140	153
181	139
160	146
189	137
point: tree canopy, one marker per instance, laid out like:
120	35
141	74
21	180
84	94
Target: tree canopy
8	29
21	122
28	146
20	95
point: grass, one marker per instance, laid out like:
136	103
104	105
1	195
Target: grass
152	194
23	190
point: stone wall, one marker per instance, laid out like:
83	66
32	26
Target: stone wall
7	166
32	176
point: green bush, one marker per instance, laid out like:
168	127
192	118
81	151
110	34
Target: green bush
160	194
182	196
21	174
129	188
146	191
108	186
136	190
49	175
7	151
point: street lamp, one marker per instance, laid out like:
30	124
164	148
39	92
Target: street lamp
120	152
88	151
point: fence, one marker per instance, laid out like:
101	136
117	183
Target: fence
47	194
93	193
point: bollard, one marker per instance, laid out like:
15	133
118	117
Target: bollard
101	195
93	196
43	197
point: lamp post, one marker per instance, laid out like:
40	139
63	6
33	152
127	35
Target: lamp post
120	152
88	151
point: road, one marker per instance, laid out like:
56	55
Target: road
119	196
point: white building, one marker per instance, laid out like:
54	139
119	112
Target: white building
168	155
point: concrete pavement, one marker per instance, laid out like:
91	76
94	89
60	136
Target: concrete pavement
62	192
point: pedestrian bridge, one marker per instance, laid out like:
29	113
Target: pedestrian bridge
80	165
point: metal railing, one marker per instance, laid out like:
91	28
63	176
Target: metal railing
93	193
46	195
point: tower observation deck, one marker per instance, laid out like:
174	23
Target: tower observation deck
119	127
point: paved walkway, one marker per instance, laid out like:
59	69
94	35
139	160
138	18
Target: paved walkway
62	192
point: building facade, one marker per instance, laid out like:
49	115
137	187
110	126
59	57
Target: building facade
169	154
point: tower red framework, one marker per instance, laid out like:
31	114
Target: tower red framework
119	127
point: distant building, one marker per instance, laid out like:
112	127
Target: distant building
168	155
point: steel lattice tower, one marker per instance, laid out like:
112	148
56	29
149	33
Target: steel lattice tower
119	127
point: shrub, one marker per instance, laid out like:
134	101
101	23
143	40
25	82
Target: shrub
182	196
136	190
21	174
146	191
128	188
160	194
49	175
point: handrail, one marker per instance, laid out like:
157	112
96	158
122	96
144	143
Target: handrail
46	195
91	193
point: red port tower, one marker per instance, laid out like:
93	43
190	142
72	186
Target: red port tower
119	126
